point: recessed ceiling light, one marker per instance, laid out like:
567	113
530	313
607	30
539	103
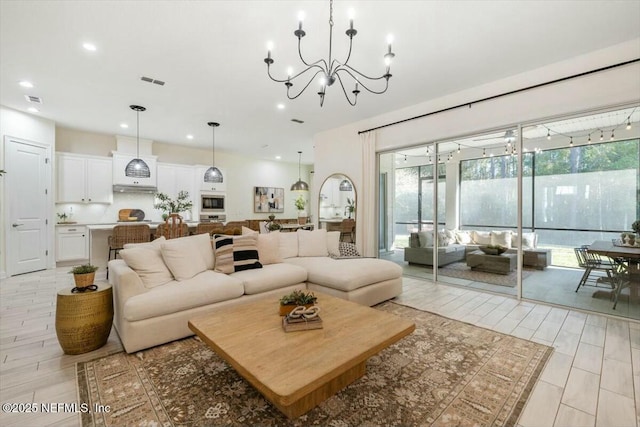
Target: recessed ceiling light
89	46
280	106
278	157
33	110
124	125
189	136
26	84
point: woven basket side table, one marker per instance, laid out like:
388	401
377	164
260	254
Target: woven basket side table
83	320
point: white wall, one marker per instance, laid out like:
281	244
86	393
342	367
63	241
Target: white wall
614	87
242	174
32	128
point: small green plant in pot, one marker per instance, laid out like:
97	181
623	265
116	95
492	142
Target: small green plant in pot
84	275
295	299
300	202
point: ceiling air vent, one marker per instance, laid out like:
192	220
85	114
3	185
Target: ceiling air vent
297	121
150	80
34	99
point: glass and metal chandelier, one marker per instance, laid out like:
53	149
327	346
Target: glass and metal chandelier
332	70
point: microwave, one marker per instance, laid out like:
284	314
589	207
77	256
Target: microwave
210	203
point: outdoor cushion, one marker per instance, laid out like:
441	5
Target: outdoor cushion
482	237
502	238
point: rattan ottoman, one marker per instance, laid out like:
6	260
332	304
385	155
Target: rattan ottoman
83	320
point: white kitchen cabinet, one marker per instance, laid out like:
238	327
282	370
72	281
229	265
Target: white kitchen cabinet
72	243
175	178
83	179
120	162
210	186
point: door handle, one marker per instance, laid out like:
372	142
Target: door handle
16	225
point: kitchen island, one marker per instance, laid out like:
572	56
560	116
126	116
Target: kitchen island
99	236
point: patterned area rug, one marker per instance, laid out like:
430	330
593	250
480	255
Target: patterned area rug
447	373
460	270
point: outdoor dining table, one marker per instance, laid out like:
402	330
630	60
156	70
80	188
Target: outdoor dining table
629	253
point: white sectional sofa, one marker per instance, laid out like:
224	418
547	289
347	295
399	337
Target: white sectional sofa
159	286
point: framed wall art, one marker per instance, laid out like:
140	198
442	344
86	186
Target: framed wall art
268	200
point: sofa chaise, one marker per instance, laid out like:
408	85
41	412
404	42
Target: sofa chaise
160	285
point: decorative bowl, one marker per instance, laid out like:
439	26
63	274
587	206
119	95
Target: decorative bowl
493	250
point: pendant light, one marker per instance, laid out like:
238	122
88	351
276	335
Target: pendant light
213	174
345	185
137	168
300	185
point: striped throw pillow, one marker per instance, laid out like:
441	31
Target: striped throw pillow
236	253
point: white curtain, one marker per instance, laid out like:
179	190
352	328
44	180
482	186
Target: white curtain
367	228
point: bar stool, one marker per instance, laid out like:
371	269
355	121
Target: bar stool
172	228
123	234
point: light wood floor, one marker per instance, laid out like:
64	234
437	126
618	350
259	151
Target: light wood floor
592	379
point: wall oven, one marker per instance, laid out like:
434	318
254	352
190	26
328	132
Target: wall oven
211	203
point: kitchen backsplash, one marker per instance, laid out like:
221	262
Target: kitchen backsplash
96	213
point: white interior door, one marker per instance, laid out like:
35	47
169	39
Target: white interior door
27	181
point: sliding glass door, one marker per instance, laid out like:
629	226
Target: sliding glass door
560	185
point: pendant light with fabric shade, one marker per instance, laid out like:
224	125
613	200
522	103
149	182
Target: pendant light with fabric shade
137	168
213	174
300	185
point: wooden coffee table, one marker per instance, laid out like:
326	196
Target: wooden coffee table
298	370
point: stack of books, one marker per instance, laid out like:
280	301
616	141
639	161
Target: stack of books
301	324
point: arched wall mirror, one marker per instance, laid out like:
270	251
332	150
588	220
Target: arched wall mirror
337	206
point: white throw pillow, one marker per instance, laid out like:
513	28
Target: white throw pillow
443	240
312	243
451	236
288	245
529	241
154	244
463	237
333	243
248	231
502	238
148	264
183	257
269	248
426	239
202	242
481	237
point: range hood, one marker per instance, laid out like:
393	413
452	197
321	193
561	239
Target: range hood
119	188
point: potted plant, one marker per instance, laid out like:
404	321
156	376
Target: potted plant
636	227
84	275
351	206
62	217
295	299
300	203
169	206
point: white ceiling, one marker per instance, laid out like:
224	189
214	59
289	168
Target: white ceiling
210	54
